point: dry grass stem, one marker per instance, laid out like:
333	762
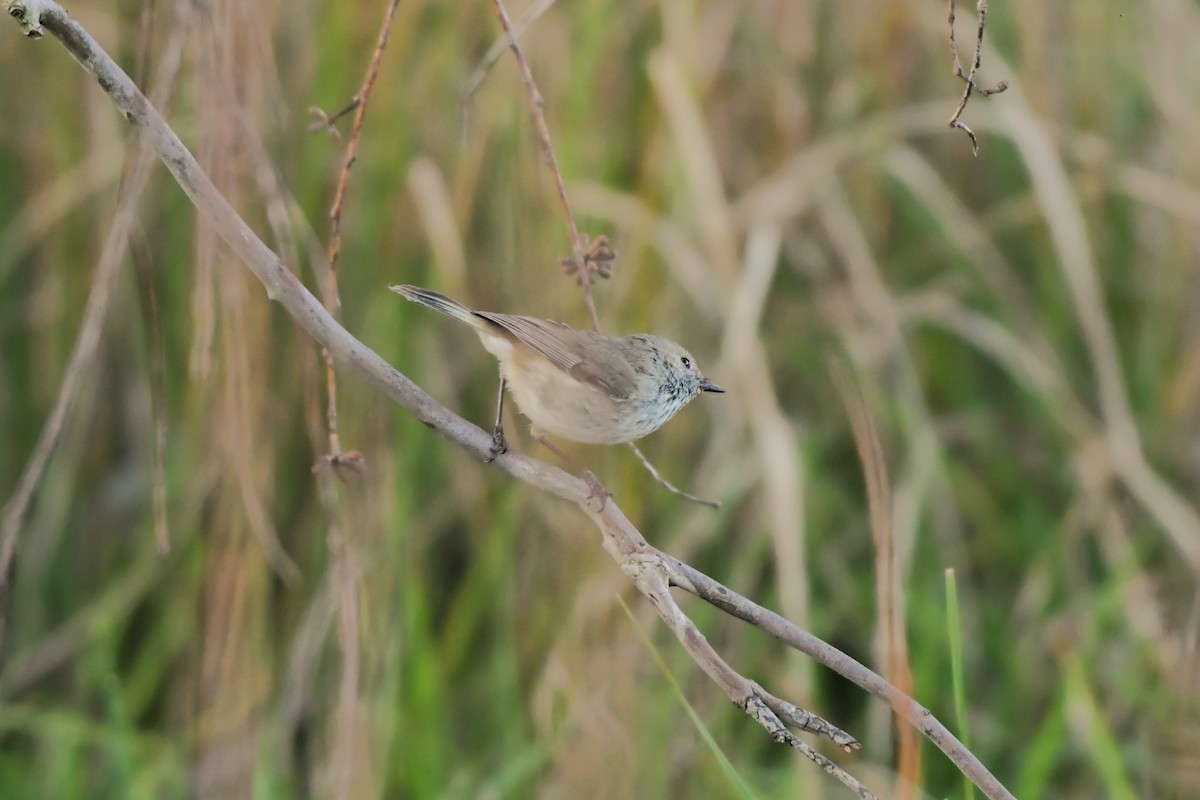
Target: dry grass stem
887	583
112	254
158	389
777	443
78	372
1067	226
46	209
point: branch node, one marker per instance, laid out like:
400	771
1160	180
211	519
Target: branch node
28	15
970	133
598	496
345	465
754	706
807	721
327	122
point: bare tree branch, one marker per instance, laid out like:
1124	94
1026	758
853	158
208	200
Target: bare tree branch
650	569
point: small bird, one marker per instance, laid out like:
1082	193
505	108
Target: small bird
577	384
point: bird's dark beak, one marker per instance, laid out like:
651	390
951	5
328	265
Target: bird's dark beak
708	386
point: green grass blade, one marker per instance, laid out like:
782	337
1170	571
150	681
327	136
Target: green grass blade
954	637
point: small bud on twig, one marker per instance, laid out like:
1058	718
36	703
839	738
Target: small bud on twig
592	258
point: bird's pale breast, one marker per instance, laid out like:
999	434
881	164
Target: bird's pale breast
558	404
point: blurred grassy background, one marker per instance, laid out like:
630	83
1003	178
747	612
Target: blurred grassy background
780	185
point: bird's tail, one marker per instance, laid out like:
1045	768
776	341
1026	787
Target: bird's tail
438	302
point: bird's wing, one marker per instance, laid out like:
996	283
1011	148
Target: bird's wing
602	367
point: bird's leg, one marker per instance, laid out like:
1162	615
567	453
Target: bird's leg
499	444
597	492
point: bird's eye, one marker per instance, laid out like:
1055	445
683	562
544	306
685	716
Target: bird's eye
687	362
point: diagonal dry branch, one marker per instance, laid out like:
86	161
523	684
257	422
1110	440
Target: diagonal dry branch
651	570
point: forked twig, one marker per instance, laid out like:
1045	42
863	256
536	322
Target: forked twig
359	106
773	714
970	78
651	570
484	67
691	580
328	122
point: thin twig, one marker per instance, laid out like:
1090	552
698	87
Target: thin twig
646	565
484	67
333	303
715	505
970	78
584	265
328	122
359	104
